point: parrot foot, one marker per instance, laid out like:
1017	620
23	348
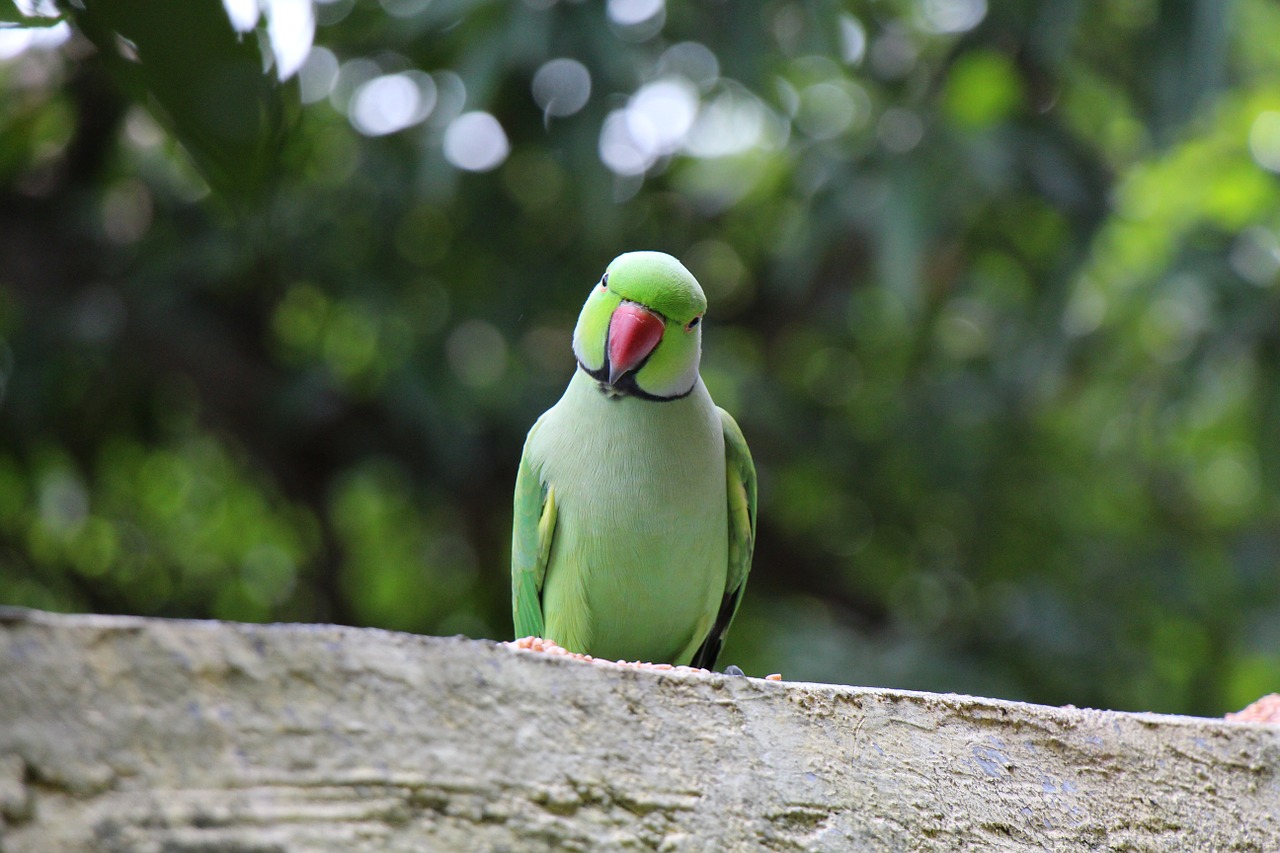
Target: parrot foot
733	669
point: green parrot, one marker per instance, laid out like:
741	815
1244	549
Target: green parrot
635	502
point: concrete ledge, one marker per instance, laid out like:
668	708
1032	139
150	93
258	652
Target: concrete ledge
153	735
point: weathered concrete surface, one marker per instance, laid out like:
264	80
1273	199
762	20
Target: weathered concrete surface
147	735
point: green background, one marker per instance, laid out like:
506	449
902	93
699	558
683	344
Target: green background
993	296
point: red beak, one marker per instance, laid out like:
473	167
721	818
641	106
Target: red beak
633	333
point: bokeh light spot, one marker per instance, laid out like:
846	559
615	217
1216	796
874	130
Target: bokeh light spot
952	16
392	102
663	111
619	150
853	40
964	329
352	74
693	61
654	124
561	87
1086	309
732	122
451	97
893	54
1264	140
63	501
299	319
831	107
350	341
629	13
1255	256
982	88
1229	479
317	75
1169	327
900	129
476	142
267	573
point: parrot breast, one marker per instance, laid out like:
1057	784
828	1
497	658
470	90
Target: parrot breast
640	551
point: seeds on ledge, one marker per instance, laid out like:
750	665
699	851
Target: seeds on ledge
538	644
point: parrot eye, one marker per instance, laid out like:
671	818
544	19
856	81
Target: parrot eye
693	324
604	282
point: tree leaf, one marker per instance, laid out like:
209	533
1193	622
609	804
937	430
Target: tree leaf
202	80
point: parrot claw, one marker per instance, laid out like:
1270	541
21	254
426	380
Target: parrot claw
733	669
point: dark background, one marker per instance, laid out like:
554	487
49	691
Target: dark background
993	296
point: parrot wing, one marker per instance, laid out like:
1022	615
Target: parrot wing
740	480
532	531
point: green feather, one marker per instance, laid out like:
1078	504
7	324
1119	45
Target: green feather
592	331
657	281
532	533
740	482
635	515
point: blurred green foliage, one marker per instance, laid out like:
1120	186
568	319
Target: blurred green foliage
995	296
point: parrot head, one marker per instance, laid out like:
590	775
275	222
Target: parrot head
640	331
